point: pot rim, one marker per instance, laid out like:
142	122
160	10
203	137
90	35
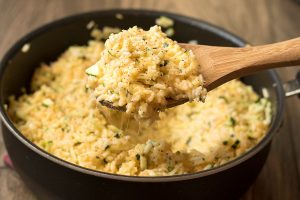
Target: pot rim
188	20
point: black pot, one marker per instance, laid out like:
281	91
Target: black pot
52	178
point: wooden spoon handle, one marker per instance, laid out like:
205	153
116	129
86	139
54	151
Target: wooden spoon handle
281	54
222	64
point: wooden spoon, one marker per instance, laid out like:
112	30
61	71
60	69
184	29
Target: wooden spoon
222	64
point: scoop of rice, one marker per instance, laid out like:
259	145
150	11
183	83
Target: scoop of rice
142	69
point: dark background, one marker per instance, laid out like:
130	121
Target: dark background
257	21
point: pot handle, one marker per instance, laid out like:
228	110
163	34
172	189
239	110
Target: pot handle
292	87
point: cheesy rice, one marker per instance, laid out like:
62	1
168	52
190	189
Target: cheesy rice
60	116
140	70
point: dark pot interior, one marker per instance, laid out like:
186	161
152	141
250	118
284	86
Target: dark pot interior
51	178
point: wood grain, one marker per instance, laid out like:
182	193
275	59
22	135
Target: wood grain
222	64
257	21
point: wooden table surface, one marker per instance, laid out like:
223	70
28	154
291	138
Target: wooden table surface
257	21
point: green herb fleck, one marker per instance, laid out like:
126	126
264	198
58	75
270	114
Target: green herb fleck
110	53
77	143
232	122
43	144
138	156
191	114
170	168
128	93
90	133
107	146
91	75
83	57
165	45
177	152
209	124
188	140
170	165
251	138
235	144
117	135
28	102
45	105
105	161
163	63
225	142
224	98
